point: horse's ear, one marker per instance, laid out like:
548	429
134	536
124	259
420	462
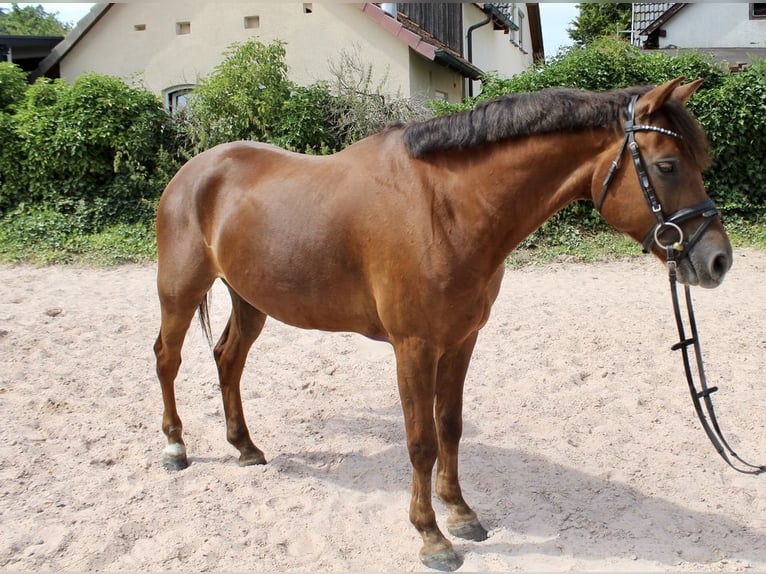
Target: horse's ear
682	93
654	99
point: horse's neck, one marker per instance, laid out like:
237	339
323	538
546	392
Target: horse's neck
513	188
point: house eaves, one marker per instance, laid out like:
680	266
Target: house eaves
447	58
422	42
499	17
26	51
663	19
70	40
535	32
501	20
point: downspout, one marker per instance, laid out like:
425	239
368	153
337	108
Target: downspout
470	47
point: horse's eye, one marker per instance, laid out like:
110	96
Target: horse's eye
666	166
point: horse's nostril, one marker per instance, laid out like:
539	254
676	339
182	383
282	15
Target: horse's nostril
720	265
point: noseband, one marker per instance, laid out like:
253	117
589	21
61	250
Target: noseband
675	250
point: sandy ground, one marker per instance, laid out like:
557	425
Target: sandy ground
581	448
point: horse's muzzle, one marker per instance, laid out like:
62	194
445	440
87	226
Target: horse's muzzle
707	263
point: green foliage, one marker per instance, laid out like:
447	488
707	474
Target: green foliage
91	149
248	96
605	64
31	21
747	231
306	121
574	243
599	19
121	243
82	165
13	85
734	117
41	235
242	98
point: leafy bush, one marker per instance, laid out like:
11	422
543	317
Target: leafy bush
242	98
306	121
82	165
13	85
91	149
734	117
604	65
249	96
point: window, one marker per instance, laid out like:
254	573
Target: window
177	98
308	8
252	22
520	17
139	27
757	11
183	28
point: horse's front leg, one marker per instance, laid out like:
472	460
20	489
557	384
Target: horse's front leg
450	376
416	362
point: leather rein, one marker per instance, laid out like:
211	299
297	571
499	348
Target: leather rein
676	250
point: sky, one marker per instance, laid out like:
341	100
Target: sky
556	18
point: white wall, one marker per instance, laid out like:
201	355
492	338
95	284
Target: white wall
427	79
494	50
158	57
714	26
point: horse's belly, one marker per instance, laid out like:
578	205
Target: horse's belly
327	303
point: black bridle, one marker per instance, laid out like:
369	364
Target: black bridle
674	251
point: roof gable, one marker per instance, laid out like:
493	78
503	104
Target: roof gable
71	39
651	16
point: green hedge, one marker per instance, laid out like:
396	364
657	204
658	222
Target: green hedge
93	149
734	117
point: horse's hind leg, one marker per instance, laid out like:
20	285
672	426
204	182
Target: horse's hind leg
177	308
243	328
450	376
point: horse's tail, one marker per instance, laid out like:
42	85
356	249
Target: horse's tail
204	317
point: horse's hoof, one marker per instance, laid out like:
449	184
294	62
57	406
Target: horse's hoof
251	458
174	457
444	560
472	530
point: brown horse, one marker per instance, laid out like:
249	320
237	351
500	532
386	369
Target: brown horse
402	237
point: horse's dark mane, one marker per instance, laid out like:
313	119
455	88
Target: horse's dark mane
548	111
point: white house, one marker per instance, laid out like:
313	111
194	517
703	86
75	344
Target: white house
731	32
435	50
